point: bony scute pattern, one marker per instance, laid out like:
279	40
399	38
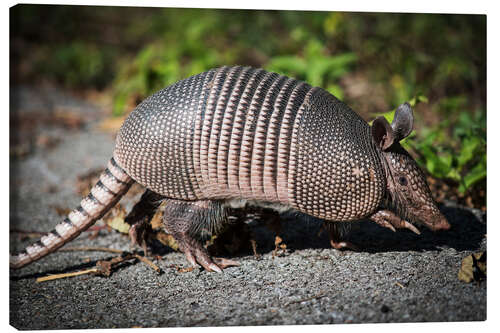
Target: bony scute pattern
255	135
337	178
155	144
231	155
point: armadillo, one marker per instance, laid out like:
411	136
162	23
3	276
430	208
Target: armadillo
234	137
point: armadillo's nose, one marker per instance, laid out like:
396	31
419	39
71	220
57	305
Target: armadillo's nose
440	224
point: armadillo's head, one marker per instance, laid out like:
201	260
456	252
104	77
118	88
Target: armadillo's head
408	194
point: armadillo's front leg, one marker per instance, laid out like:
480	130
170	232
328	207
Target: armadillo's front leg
140	217
388	219
187	221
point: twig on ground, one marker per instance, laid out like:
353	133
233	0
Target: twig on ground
87	248
399	285
103	267
148	262
64	275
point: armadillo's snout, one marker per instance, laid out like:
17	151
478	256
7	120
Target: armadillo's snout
439	223
432	218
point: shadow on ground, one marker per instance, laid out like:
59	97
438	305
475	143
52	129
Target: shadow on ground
466	233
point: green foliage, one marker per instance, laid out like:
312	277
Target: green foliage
138	50
193	41
315	67
155	67
405	52
181	51
459	157
76	64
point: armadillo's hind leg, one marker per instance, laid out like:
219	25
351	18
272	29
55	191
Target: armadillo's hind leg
140	217
337	231
191	221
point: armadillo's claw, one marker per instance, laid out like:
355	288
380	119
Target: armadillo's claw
343	245
386	224
224	263
197	255
388	219
204	260
214	268
190	258
410	226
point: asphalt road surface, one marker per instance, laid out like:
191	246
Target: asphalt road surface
394	277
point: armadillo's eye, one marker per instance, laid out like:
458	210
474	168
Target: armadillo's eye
402	180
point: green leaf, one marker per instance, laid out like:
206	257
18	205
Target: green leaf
119	104
476	174
287	64
443	164
419	98
453	174
469	149
314	49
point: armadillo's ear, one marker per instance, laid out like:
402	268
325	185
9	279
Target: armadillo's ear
382	133
402	125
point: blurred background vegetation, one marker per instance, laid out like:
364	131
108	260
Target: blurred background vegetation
372	61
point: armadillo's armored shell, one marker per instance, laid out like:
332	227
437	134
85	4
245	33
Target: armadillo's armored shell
239	132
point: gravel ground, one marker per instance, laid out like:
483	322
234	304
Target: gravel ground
395	277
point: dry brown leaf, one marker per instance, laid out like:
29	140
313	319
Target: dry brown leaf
118	223
277	241
117	220
104	267
167	239
280	247
156	221
184	269
473	268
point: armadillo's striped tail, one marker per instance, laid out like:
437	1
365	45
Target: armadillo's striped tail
112	185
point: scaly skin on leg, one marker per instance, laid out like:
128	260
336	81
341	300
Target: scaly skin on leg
196	254
140	217
186	220
388	219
